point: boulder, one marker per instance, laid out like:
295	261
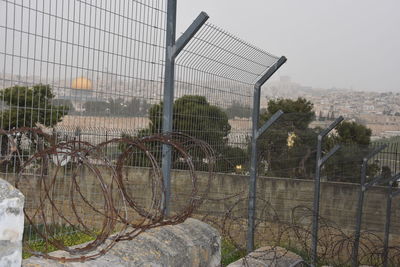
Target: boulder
11	225
269	257
192	243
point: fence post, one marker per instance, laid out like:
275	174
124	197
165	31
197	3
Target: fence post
388	219
173	48
253	160
360	204
11	225
317	186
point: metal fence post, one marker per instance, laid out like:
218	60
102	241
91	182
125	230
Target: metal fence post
317	185
360	205
388	219
256	132
172	50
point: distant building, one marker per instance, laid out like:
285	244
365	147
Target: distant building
79	92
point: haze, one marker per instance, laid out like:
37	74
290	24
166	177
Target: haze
344	44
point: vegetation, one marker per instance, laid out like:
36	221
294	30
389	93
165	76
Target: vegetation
238	110
287	147
27	107
196	117
67	236
230	253
345	165
117	107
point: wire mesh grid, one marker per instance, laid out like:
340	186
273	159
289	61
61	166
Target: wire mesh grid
83	70
215	77
102	58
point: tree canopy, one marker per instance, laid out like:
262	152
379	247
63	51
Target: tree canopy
236	109
350	132
355	140
195	116
27	106
287	147
117	107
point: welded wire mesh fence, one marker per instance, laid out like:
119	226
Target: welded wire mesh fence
90	71
86	58
83	71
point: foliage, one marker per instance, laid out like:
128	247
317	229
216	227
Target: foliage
350	132
295	159
28	106
345	166
238	110
67	236
230	253
64	102
196	117
117	107
230	157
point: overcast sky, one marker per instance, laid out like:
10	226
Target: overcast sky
351	44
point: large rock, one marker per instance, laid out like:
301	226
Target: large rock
269	257
11	225
192	243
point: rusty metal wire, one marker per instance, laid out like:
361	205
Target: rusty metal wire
114	214
335	244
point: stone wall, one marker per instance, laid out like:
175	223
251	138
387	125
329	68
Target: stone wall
338	200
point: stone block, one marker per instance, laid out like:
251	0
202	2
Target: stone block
192	243
269	257
11	225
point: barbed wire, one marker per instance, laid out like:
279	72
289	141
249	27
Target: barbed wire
279	236
120	216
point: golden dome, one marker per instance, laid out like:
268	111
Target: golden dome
81	83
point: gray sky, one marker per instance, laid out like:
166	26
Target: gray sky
336	43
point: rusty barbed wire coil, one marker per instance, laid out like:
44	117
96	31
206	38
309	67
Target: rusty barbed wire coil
121	215
109	212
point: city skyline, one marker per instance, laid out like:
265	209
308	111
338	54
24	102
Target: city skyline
343	44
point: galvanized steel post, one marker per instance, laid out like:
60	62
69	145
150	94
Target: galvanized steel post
390	195
317	185
256	132
172	50
363	188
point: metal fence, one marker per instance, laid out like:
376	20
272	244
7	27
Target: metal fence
100	72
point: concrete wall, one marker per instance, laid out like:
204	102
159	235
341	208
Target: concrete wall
338	200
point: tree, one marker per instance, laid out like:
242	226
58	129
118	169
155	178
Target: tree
354	139
27	107
238	110
352	133
96	108
137	107
64	102
196	117
288	146
117	107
